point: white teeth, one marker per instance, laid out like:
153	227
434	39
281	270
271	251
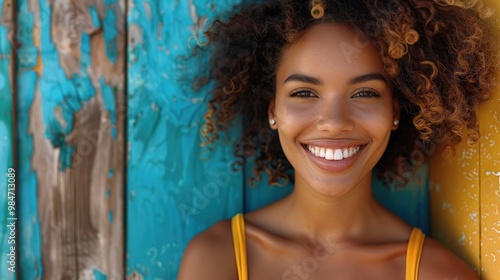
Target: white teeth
329	154
338	154
316	151
333	154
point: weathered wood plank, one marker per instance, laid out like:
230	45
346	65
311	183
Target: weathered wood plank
73	121
465	195
489	124
489	174
8	259
30	261
454	201
175	188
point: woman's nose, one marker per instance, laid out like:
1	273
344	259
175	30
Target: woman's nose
335	116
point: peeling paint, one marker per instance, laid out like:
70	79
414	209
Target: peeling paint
110	104
30	260
497	174
62	95
94	15
110	35
474	216
62	98
99	275
461	241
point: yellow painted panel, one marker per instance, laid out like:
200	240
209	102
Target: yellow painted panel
489	121
465	194
490	188
454	202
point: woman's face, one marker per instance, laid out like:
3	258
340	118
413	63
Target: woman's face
334	109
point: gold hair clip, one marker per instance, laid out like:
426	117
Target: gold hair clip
318	9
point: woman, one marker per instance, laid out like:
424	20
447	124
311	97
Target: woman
347	87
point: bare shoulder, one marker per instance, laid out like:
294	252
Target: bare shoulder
438	262
210	255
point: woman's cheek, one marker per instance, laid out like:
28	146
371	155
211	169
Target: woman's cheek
294	114
375	115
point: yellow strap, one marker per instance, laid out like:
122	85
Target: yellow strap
413	253
240	247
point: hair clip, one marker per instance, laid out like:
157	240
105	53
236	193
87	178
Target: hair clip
318	9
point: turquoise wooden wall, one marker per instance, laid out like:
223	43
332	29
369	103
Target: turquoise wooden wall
175	188
6	134
112	181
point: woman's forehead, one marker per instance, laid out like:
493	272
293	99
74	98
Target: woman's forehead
334	46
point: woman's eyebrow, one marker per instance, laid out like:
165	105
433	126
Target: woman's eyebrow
303	78
368	77
355	80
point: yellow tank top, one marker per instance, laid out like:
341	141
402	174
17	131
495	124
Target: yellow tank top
413	253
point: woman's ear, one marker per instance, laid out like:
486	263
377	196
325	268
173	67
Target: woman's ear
396	113
271	114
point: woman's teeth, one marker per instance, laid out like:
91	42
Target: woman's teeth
333	154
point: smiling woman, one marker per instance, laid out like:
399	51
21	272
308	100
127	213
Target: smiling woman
347	87
338	106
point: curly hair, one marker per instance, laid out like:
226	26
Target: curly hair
442	57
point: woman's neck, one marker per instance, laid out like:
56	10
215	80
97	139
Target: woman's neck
340	217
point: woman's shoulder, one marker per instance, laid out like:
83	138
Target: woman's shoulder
438	262
210	254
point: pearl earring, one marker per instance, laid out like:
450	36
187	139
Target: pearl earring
396	122
272	122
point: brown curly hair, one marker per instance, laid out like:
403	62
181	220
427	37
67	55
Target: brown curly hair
441	55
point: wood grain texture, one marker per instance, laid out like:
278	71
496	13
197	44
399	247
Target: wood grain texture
7	135
75	127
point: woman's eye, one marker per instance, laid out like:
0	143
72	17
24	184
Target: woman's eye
366	94
302	94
